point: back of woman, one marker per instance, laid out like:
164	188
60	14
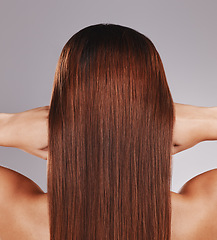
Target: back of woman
110	144
111	117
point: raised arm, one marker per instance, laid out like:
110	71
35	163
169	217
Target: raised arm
26	130
193	124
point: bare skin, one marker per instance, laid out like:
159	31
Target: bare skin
24	206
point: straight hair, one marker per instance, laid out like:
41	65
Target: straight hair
110	137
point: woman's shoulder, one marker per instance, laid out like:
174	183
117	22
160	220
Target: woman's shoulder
23	207
202	185
12	182
194	208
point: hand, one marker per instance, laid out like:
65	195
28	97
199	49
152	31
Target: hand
192	125
28	131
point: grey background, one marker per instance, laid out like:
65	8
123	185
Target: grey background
34	32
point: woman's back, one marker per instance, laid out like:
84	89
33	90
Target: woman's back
109	139
24	208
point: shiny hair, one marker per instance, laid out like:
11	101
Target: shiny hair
110	138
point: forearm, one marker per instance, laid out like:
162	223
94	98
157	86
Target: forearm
192	125
201	120
26	130
209	129
5	130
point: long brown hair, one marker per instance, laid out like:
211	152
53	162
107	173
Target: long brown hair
110	137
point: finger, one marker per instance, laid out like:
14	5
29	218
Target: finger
44	149
40	153
177	149
43	154
43	108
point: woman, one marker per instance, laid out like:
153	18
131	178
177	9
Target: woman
108	135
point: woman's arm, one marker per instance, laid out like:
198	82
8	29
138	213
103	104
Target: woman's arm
26	130
5	139
193	124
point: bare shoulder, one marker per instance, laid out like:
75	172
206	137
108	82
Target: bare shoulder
15	189
194	208
202	186
23	207
14	184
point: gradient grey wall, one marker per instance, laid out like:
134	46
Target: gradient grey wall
34	32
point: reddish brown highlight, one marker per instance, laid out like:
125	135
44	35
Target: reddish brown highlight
110	136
